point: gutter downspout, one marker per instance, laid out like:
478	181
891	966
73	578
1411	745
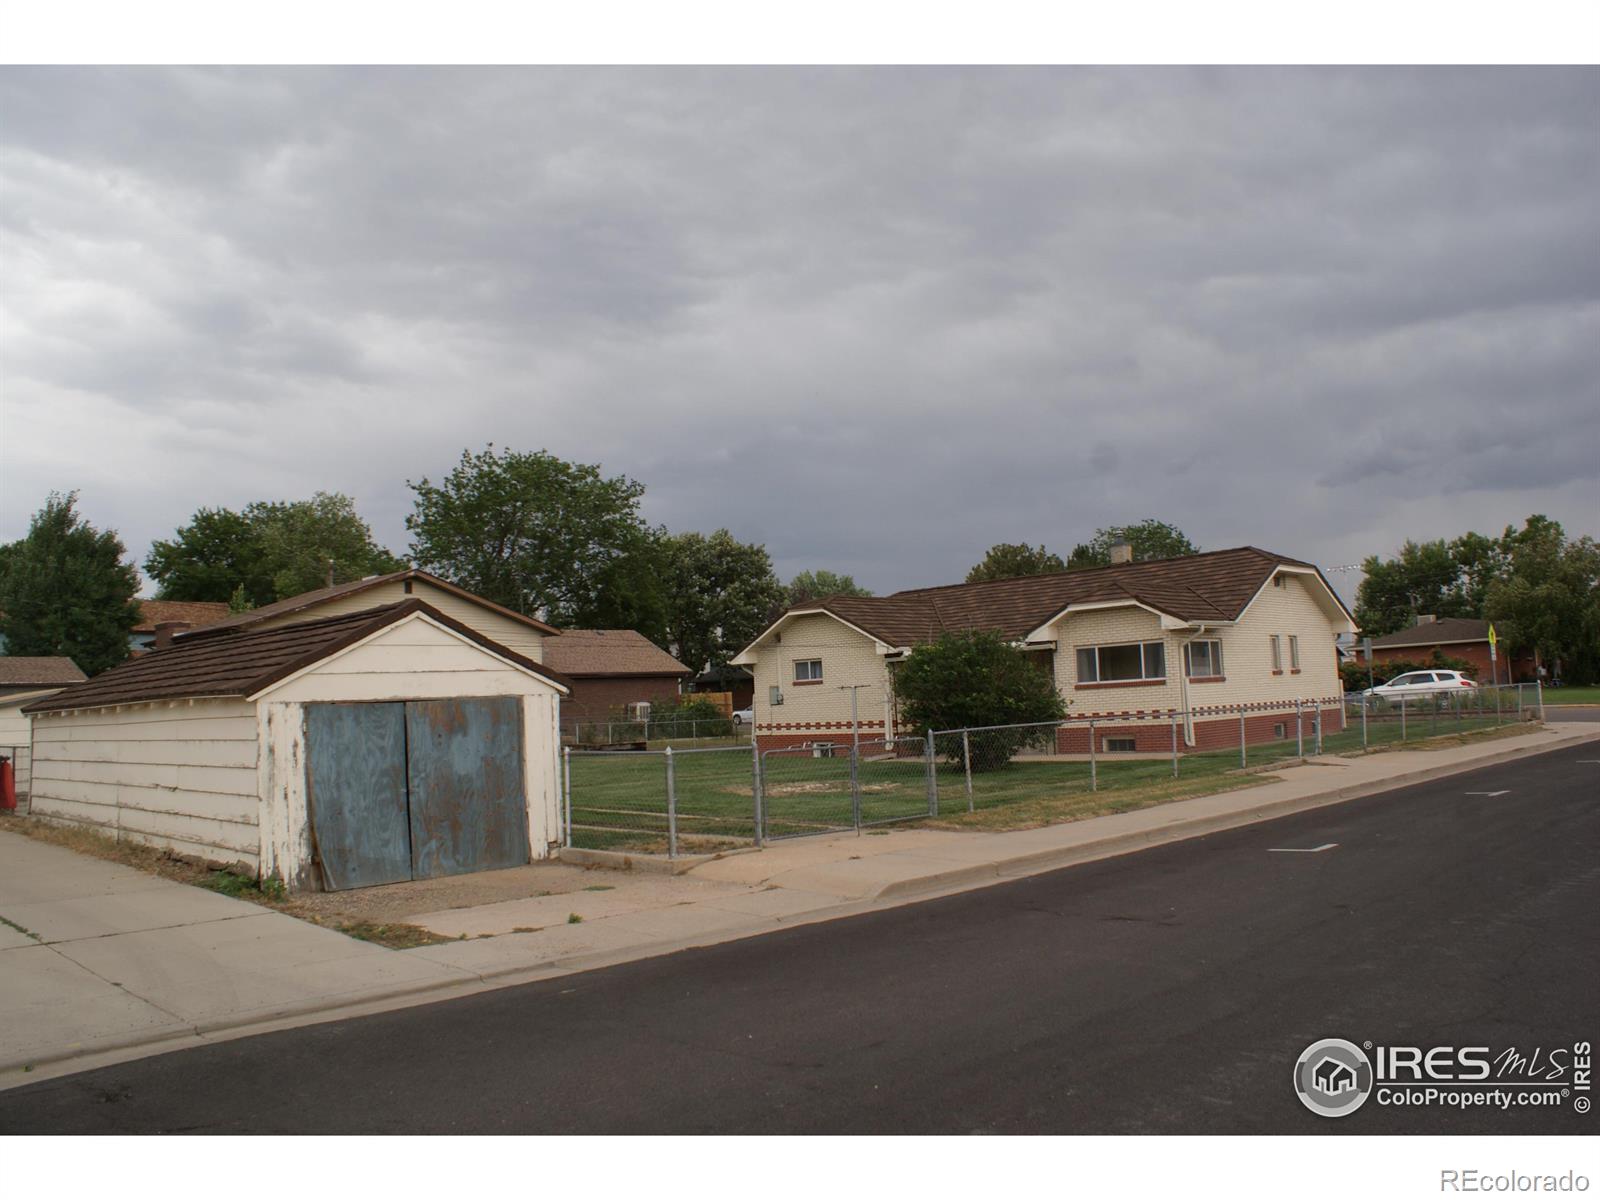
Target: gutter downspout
1183	684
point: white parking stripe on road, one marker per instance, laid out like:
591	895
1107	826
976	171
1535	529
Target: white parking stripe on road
1302	849
1501	792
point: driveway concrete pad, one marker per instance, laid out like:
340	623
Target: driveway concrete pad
52	1005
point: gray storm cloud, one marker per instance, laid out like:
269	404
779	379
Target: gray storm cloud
878	320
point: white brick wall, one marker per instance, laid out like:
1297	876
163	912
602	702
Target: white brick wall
847	657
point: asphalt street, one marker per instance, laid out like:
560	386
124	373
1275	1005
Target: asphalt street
1168	991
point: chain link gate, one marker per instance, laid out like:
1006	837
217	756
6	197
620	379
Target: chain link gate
836	787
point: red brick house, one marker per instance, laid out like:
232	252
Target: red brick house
1465	638
160	619
611	669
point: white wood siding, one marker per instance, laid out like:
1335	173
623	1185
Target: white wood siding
513	635
413	660
181	775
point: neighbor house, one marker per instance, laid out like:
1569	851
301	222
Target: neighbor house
20	674
613	672
1218	637
1464	638
159	620
526	635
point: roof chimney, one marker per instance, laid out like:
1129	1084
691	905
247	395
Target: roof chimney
1426	618
1121	552
164	631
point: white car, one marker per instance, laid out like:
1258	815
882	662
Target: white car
1420	683
744	716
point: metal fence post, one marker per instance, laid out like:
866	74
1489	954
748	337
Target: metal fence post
1317	726
1363	721
566	788
1094	777
1519	703
755	792
1173	717
672	808
1402	717
966	757
933	780
1539	695
1243	760
855	785
1299	730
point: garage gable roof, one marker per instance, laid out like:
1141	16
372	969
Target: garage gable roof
245	662
309	600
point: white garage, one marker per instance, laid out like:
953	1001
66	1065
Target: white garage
392	743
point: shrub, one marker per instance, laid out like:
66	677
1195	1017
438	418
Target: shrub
673	717
977	678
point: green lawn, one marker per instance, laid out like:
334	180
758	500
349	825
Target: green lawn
620	800
1571	695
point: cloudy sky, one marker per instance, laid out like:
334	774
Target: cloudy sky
875	319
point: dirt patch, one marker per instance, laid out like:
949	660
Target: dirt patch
376	914
813	788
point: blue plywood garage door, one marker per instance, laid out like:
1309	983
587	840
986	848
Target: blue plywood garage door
416	789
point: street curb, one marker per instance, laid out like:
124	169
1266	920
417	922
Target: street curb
1039	861
649	864
897	892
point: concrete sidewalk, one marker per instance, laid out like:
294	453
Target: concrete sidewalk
99	962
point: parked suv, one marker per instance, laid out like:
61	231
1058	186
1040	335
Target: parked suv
744	716
1420	683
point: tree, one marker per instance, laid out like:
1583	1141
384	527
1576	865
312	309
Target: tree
1423	578
271	550
1549	599
1008	561
814	585
534	533
65	590
1149	539
719	595
976	677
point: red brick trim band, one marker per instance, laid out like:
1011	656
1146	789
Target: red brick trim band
806	682
1208	679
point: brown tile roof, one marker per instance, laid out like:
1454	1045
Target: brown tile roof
1434	633
242	663
41	672
1214	586
309	600
191	612
580	652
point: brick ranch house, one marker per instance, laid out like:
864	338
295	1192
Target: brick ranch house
611	670
1205	633
1453	637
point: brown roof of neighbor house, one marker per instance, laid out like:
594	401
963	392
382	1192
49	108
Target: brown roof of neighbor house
242	663
308	600
588	652
190	612
1214	586
18	671
1435	633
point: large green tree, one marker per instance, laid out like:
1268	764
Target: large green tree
1549	598
65	590
1423	578
719	592
814	585
1148	539
977	678
1008	560
271	550
536	533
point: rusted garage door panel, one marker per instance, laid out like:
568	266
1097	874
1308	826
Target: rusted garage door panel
468	812
356	782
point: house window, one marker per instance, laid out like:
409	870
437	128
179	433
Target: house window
1117	664
1202	659
1121	745
1277	653
808	670
1294	652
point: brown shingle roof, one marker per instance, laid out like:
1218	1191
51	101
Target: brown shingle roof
1434	633
1198	587
309	600
42	672
242	663
581	652
191	612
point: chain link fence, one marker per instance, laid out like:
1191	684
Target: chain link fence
653	735
699	800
